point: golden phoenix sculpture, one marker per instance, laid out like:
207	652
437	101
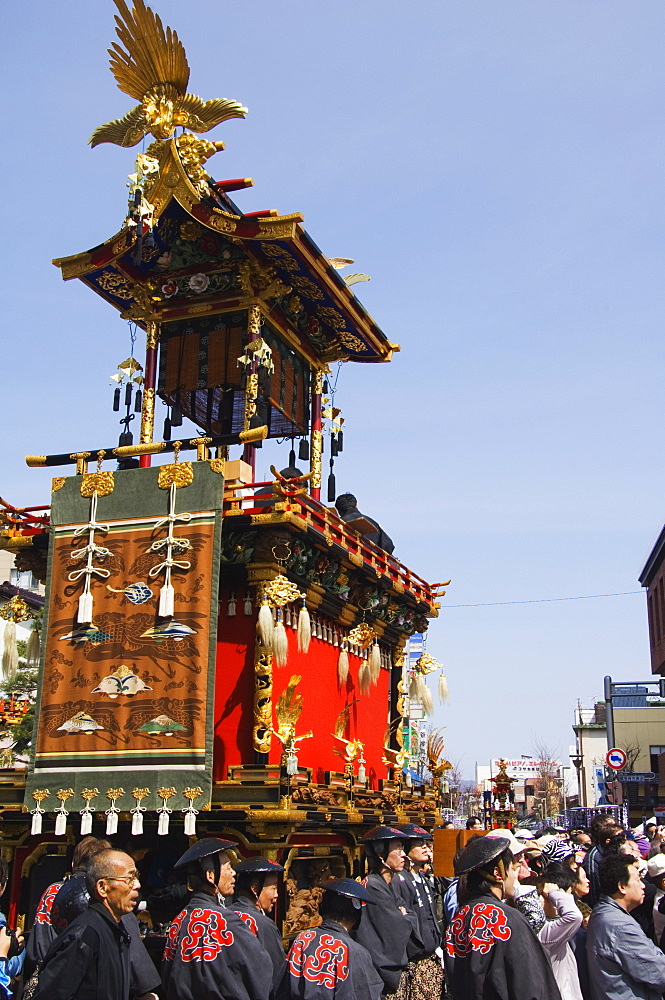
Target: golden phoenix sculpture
153	69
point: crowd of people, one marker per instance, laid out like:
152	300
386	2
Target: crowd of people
553	915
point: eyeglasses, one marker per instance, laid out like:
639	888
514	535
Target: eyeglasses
132	879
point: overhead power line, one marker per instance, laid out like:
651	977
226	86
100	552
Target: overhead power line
542	600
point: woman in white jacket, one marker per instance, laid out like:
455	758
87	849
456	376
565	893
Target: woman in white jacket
563	922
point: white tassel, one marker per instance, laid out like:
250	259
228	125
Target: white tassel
111	822
444	694
304	629
190	823
343	665
86	822
10	652
362	774
414	690
36	826
163	824
248	607
60	823
280	644
375	662
137	821
231	609
32	650
84	615
364	678
266	624
427	699
166	601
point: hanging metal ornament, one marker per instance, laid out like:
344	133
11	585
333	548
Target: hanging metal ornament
138	794
38	795
15	610
88	794
61	813
112	813
277	594
190	812
363	635
128	375
164	812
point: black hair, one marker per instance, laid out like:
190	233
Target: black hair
337	907
472	820
481	881
613	871
245	881
615	845
561	874
376	852
196	872
600	825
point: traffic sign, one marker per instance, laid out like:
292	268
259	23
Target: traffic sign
616	758
638	776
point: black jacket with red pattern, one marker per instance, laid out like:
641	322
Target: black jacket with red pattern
325	963
493	954
211	953
269	936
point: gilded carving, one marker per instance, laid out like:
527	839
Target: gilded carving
178	474
262	730
100	483
57	483
148	416
276	230
315	463
115	284
280	256
222	223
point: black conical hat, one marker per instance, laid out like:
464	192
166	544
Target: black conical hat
479	852
203	849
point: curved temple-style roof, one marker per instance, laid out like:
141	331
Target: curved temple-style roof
296	275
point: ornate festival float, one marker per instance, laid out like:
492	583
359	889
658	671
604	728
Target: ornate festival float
220	656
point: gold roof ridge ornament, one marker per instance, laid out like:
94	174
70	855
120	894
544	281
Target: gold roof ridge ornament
153	69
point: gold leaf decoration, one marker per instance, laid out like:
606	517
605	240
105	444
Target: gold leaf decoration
100	483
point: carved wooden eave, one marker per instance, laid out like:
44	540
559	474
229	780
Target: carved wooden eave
268	241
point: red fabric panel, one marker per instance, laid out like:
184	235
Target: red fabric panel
234	690
323	700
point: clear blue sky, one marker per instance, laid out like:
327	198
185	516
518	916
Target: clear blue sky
496	166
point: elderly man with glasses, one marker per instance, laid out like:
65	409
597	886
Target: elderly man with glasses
90	959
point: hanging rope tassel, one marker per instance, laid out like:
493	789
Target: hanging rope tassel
231	609
426	698
84	613
304	629
343	664
167	598
375	662
280	642
10	652
364	678
248	608
266	624
32	650
444	694
414	688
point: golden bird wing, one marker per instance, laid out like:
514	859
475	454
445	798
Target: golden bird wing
290	703
151	56
204	115
125	131
342	720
